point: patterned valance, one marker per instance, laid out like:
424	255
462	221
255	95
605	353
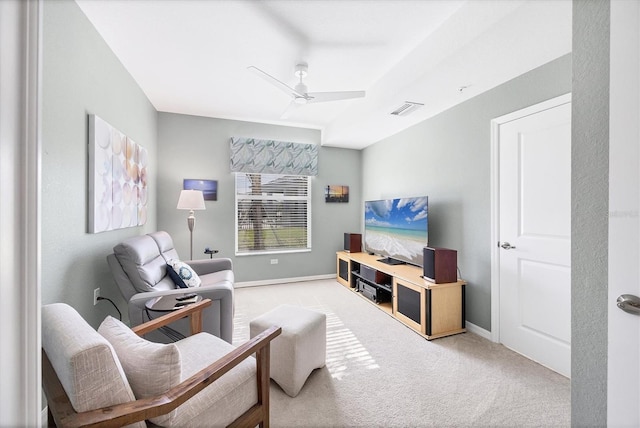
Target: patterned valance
273	157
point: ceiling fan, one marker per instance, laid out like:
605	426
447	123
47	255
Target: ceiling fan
300	94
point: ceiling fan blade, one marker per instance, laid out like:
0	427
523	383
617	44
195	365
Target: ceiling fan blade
321	97
291	108
280	85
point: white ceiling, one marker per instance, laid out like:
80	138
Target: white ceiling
191	56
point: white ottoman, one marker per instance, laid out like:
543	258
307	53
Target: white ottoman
300	348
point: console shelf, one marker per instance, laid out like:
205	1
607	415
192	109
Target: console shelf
432	310
386	287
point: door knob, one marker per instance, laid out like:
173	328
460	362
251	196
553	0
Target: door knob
506	246
629	303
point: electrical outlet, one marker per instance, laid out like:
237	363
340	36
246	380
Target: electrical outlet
96	294
274	261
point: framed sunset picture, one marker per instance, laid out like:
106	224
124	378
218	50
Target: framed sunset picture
336	193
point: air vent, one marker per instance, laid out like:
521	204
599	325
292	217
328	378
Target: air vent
406	108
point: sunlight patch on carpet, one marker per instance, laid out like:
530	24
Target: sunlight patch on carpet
345	353
240	327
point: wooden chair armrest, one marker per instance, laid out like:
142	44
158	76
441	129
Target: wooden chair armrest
142	409
194	310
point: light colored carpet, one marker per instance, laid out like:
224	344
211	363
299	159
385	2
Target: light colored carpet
380	373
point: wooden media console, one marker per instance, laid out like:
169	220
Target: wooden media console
432	310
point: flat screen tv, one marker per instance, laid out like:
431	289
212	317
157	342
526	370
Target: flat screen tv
397	229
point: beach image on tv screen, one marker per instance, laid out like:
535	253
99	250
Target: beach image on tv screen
397	228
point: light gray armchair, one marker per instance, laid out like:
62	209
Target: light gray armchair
113	378
139	268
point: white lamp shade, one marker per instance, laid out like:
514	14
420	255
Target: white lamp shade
191	200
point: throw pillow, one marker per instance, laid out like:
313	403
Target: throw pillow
179	283
185	276
151	368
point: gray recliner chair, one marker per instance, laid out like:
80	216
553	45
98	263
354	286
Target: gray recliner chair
139	268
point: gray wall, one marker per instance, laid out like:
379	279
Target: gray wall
590	212
198	147
449	161
447	158
81	76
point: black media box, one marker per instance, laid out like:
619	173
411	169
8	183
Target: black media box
373	293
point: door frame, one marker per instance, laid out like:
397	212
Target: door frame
495	199
20	128
623	339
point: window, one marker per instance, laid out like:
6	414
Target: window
273	213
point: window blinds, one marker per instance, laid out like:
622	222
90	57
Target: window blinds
273	213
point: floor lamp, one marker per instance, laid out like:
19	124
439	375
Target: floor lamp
191	200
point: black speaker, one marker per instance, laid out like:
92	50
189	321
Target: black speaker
440	265
353	242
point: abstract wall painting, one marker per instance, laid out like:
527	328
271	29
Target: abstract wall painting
336	193
117	179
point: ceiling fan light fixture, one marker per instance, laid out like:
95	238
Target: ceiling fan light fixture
300	93
301	70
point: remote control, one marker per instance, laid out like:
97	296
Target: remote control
185	297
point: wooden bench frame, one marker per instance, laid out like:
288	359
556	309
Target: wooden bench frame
62	414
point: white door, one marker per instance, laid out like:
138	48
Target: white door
623	378
534	232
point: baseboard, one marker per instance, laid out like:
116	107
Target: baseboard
472	328
283	280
